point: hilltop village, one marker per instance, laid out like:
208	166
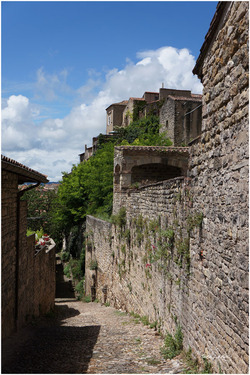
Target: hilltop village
173	251
179	112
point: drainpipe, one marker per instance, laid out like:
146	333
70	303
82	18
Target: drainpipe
19	195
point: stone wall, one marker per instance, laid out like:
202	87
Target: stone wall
8	255
98	255
167	118
143	260
114	117
36	292
36	274
180	117
180	254
219	172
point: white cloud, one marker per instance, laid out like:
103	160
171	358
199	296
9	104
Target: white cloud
50	86
18	130
48	144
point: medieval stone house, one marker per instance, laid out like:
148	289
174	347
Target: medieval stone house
180	115
179	112
28	280
114	115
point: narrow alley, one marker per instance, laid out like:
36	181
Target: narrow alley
85	338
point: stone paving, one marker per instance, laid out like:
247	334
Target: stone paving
86	338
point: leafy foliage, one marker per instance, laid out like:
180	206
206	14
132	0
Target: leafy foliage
88	189
173	345
40	207
144	132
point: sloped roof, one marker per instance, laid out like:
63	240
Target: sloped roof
25	174
142	99
151	92
187	98
122	103
167	149
215	24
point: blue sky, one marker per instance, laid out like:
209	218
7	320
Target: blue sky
63	63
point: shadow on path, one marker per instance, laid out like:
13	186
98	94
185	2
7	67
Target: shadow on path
54	350
49	347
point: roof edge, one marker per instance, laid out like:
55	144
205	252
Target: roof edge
28	174
221	8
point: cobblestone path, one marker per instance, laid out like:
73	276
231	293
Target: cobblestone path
86	338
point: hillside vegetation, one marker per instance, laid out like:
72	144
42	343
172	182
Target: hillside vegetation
88	189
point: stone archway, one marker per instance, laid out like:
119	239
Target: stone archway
149	164
154	172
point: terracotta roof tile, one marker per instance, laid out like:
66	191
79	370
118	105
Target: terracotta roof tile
167	149
137	99
23	170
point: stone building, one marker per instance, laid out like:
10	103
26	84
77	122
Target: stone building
136	166
177	251
89	151
180	115
114	115
28	279
179	112
123	113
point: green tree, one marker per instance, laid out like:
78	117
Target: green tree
98	180
39	205
88	189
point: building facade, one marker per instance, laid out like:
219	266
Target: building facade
28	278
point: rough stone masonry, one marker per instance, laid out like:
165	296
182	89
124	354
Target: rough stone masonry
178	252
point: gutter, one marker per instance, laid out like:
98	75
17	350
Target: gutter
19	195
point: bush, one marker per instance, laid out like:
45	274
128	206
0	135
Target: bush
120	218
65	255
87	299
66	271
29	232
76	269
93	265
80	289
173	345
